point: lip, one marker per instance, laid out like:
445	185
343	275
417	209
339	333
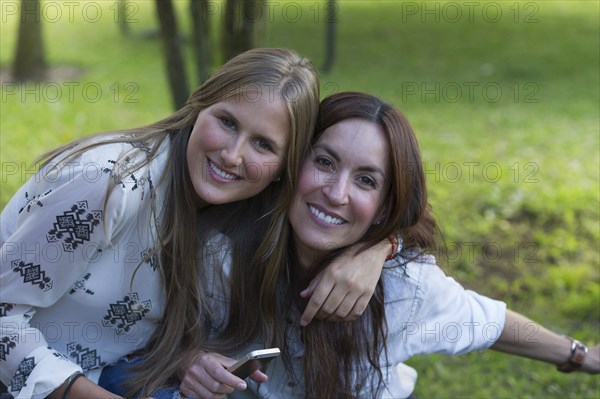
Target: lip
219	174
323	217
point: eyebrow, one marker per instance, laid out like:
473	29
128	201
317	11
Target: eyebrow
336	156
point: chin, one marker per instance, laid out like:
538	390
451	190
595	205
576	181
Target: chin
326	245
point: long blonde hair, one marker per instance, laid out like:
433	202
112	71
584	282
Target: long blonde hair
281	73
276	72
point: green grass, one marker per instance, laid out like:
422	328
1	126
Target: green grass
513	165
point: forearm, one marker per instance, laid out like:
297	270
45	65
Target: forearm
344	288
523	337
82	388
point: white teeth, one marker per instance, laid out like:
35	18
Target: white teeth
222	173
326	218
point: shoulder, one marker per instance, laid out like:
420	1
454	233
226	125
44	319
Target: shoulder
125	165
413	284
405	274
420	297
119	156
117	149
402	279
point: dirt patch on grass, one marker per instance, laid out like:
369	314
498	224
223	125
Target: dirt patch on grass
55	73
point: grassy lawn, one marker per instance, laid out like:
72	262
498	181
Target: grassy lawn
504	97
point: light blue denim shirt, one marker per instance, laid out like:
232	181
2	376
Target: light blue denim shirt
426	311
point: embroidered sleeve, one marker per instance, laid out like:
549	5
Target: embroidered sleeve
51	230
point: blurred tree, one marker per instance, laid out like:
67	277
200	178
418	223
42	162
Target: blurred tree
30	58
244	26
175	67
239	34
330	27
199	11
122	19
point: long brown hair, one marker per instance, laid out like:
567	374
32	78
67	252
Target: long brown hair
333	350
275	72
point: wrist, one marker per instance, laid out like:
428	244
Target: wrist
69	383
576	358
393	240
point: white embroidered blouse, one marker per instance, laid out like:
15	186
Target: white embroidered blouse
70	248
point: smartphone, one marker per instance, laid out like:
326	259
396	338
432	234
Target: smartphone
253	361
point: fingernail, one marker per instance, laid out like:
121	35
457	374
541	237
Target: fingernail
303	323
241	386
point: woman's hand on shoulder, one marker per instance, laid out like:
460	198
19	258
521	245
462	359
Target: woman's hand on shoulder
342	291
205	375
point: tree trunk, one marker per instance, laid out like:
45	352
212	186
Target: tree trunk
30	59
175	66
331	18
201	38
122	18
238	25
260	25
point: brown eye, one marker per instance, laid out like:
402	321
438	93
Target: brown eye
367	181
324	163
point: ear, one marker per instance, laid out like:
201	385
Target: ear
380	215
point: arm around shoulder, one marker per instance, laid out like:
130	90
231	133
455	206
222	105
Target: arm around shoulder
342	291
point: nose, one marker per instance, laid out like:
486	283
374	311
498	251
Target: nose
336	190
232	154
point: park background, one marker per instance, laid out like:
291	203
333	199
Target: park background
503	96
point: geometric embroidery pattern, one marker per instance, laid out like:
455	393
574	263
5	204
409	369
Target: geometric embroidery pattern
57	354
74	227
141	145
25	368
32	274
151	186
6	344
149	256
5	308
36	199
143	182
119	170
86	358
125	313
122	169
79	285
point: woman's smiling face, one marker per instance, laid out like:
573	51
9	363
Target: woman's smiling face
238	147
340	192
